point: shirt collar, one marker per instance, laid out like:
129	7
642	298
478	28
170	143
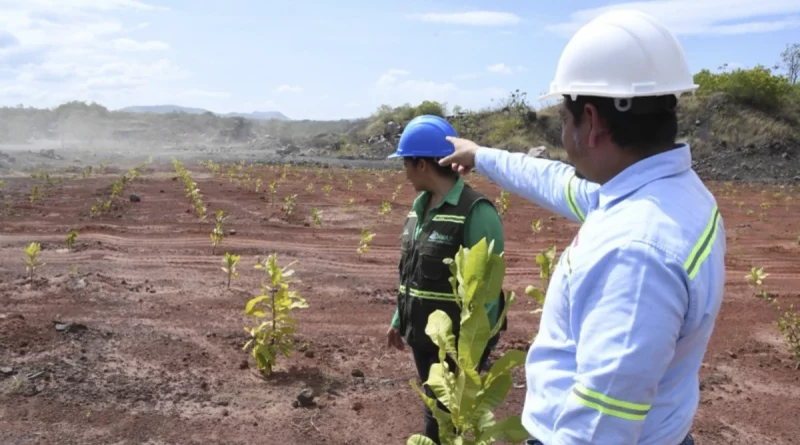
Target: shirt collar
636	176
452	197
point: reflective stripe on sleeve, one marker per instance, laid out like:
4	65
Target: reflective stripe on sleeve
608	405
702	249
573	204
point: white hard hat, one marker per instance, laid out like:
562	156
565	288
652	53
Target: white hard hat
622	54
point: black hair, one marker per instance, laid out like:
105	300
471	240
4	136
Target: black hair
446	171
646	126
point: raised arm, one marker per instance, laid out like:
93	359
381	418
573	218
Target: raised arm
549	184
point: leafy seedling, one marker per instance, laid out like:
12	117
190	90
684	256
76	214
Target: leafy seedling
316	219
218	233
755	279
503	202
72	236
536	227
364	244
468	397
275	306
31	258
229	262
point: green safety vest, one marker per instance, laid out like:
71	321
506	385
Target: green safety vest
424	277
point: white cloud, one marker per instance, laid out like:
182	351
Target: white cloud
473	18
500	68
706	17
125	44
204	93
288	89
467	76
390	89
80	50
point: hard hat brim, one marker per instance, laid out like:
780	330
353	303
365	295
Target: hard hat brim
677	92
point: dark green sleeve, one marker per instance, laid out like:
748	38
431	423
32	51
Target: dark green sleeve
483	221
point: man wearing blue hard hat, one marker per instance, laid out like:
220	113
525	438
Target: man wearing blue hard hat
446	214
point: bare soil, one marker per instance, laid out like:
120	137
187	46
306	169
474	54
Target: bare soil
153	354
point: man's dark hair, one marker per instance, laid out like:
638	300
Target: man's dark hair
649	125
446	171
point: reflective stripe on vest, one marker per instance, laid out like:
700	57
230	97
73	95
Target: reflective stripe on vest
427	295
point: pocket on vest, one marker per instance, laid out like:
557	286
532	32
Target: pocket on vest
433	268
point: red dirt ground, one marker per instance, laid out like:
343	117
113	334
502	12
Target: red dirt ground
161	362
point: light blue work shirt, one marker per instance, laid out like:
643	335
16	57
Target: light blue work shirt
631	305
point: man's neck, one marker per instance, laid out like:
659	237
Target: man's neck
439	189
626	160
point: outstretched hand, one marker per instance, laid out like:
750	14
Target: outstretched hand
462	159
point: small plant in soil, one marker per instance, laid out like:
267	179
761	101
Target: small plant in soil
31	258
35	194
273	191
275	306
316	218
259	184
469	397
386	208
397	192
288	204
536	227
310	188
218	234
503	202
789	326
364	244
229	262
755	279
327	189
72	236
545	260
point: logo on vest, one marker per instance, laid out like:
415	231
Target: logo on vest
438	238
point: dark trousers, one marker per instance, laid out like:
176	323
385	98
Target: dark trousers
687	441
424	358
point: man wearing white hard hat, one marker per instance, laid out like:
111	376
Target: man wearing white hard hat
632	304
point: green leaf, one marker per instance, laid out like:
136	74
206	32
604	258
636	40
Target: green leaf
508	430
510	360
442	383
475	271
440	330
473	338
494	394
511	297
249	307
443	418
418	439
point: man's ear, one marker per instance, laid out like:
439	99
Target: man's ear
596	125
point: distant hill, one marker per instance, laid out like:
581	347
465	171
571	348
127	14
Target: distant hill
256	115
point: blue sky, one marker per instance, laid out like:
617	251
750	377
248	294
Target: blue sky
335	59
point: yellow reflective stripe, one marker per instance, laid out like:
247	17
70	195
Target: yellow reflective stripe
610	405
449	218
412	214
428	295
573	204
702	249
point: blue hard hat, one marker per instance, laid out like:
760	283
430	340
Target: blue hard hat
424	136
